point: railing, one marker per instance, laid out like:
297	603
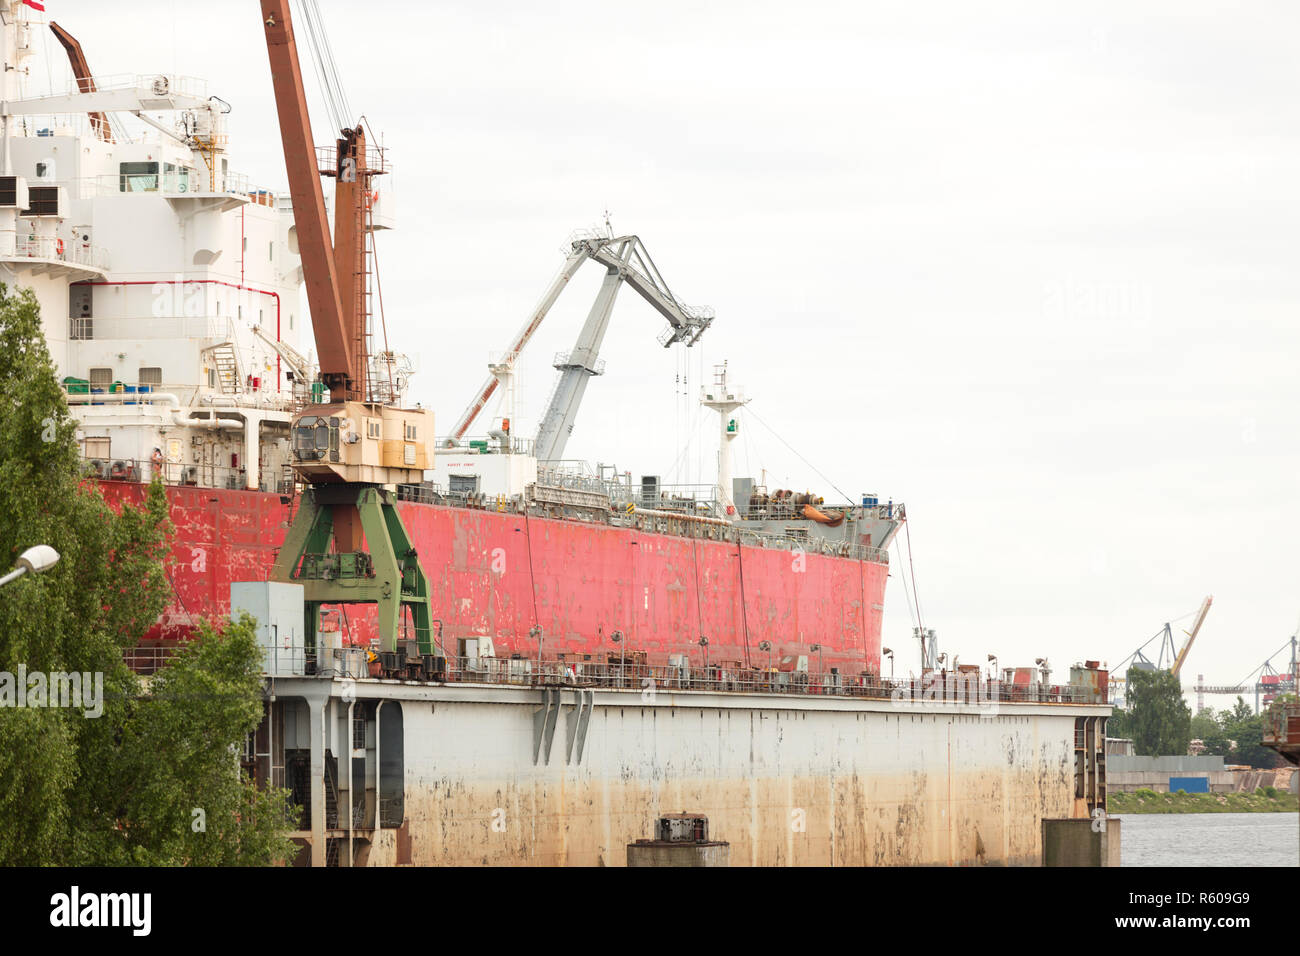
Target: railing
212	328
517	445
191	398
565	360
1281	728
197	182
327	158
632	673
180	474
355	663
61	250
151	85
815	545
149	660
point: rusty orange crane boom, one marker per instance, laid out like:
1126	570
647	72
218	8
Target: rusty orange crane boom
85	82
352	183
336	336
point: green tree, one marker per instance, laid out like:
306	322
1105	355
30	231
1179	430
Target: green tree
1120	724
1207	726
172	779
1247	728
1161	720
70	789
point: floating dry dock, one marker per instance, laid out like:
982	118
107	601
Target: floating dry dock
514	770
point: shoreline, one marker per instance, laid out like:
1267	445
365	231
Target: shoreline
1264	800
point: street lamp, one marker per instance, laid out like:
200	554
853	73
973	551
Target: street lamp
767	646
704	643
818	649
890	654
993	659
38	558
617	638
536	631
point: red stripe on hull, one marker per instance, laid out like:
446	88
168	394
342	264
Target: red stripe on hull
488	571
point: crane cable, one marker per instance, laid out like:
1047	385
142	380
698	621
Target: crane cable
916	595
759	419
331	86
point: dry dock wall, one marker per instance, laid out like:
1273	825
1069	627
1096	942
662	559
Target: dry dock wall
786	781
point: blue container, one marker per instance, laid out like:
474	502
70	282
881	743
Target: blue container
1189	784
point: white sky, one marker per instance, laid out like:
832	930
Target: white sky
1030	268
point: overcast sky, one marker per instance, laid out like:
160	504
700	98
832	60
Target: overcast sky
1030	268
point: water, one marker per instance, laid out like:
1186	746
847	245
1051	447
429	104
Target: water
1210	839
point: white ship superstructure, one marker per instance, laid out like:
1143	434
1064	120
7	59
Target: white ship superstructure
168	284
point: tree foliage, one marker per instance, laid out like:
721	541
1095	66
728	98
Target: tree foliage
1159	718
119	788
1236	734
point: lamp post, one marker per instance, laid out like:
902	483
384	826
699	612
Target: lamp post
993	659
820	676
704	643
767	646
36	559
890	654
617	638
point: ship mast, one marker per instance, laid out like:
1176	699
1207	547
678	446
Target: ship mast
724	400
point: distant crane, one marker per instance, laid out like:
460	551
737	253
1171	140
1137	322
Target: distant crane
1191	635
1264	680
625	260
1170	658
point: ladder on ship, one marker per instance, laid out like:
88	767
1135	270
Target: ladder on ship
226	361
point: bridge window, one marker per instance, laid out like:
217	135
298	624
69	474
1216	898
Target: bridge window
138	177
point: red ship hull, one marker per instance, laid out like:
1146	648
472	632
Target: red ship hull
497	575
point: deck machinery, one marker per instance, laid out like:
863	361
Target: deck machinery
347	544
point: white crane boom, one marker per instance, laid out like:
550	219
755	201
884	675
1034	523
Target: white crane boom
626	260
300	365
571	266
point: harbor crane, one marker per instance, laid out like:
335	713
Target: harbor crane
347	543
1170	658
626	260
1181	657
1265	680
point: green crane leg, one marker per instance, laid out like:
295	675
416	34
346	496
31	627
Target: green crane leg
395	581
415	586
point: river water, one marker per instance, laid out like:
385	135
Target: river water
1210	839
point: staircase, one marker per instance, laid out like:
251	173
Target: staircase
227	363
331	793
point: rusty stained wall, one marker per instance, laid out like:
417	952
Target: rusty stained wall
496	574
784	787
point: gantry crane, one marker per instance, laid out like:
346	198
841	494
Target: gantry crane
347	544
1171	658
1264	679
625	260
